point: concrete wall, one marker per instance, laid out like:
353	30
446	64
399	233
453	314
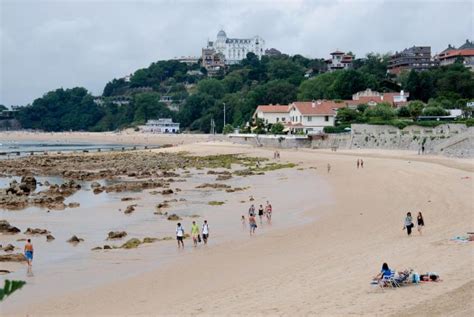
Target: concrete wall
455	140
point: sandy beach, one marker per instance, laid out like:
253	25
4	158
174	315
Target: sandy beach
319	267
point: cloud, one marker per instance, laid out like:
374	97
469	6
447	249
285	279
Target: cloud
51	44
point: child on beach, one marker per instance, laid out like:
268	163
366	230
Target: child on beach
408	223
244	223
29	252
252	224
420	222
329	167
358	163
180	235
195	233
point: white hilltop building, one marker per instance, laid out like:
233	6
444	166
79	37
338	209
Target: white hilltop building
234	50
162	125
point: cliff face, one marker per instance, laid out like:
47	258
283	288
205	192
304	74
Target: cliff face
9	124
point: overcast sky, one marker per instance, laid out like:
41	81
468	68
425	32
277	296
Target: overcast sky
50	44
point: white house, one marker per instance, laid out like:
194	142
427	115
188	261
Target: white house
161	126
312	116
272	113
308	117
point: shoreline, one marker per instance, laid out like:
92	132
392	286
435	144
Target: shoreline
323	267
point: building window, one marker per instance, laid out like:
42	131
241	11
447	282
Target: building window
283	119
326	118
277	119
310	119
301	118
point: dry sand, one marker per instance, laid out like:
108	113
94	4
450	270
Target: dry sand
323	268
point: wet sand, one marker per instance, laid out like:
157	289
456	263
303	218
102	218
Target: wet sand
323	263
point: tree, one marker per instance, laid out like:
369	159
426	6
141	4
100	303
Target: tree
228	128
403	112
382	111
347	115
213	87
434	111
2	108
277	128
415	108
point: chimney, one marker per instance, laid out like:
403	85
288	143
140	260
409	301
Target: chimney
319	102
313	104
402	93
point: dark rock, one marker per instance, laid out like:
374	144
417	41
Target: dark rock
73	205
5	227
17	257
107	247
36	231
49	237
75	239
116	235
174	217
129	209
167	192
9	248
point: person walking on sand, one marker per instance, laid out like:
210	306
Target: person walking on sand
29	252
195	233
244	222
420	222
408	223
180	235
329	167
205	231
361	163
268	211
252	210
260	213
252	224
358	163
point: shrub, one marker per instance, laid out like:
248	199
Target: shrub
228	128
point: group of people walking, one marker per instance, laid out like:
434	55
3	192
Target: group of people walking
262	212
196	233
360	163
408	224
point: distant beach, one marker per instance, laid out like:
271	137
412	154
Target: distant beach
329	235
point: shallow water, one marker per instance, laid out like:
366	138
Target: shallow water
60	267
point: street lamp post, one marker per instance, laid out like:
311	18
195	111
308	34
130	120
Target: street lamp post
224	113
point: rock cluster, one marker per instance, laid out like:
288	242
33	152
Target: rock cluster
116	235
5	227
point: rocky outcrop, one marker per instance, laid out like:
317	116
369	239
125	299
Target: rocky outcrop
50	237
116	235
131	244
214	186
74	239
36	231
17	257
5	227
8	248
129	209
173	217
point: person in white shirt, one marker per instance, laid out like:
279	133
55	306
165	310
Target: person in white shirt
205	231
180	235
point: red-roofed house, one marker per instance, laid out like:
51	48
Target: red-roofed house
312	116
372	98
452	54
272	113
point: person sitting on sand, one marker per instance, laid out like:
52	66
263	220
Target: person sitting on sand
252	224
385	272
408	223
195	233
420	222
29	252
